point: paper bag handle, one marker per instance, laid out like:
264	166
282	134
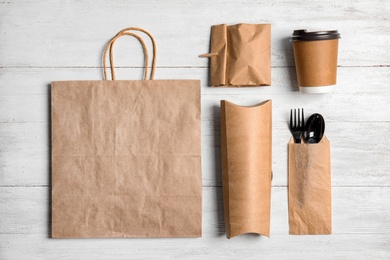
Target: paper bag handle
110	46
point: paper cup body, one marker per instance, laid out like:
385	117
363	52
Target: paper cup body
316	64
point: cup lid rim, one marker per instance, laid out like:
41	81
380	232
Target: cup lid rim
304	35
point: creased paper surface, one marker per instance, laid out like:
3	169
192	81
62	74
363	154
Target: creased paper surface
246	148
309	188
126	159
240	55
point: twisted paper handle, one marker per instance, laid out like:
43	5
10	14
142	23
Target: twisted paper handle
110	47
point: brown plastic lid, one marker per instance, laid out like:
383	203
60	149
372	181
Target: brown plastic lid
303	35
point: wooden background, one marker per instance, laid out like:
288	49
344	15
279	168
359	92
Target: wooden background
41	41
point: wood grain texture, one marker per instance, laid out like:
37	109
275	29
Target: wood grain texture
43	41
27	216
73	33
26	210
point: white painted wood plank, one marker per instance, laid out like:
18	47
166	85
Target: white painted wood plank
361	221
247	247
63	33
361	94
361	97
25	154
357	210
356	160
350	80
41	41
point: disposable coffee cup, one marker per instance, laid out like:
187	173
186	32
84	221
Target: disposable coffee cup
315	55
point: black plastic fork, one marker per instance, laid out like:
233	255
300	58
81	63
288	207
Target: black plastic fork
297	127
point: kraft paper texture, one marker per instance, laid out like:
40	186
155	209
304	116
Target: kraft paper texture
126	157
316	62
240	55
246	144
309	188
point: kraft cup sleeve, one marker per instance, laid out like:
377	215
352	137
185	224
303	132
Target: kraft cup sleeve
316	62
309	188
240	55
246	149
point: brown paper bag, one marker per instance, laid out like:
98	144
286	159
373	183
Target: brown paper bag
309	188
246	144
240	55
126	157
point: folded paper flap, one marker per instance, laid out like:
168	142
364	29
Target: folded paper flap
267	103
194	83
246	134
239	229
309	188
219	50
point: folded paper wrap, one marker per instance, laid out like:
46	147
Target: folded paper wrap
240	55
309	188
126	157
246	144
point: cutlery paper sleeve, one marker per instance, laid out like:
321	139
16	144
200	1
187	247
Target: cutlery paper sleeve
240	55
246	144
309	188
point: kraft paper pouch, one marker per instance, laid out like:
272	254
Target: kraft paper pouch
246	144
309	188
126	157
240	55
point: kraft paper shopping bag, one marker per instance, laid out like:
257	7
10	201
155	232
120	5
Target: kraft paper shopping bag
126	156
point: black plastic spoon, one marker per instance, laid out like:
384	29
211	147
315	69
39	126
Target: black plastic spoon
315	128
